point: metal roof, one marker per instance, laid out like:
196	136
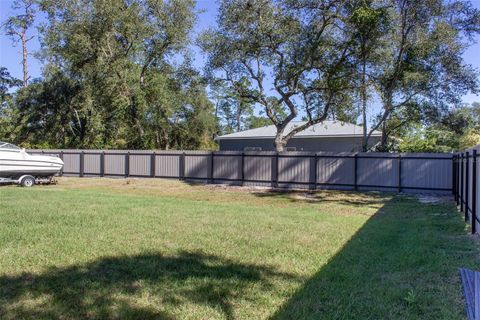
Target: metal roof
326	129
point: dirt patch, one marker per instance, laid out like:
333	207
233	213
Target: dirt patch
434	199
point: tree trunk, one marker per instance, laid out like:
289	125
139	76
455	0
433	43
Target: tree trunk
23	38
383	142
280	142
364	108
239	116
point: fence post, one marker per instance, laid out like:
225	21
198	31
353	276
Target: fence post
399	173
457	179
274	170
355	172
242	168
212	155
453	177
474	192
102	164
153	161
462	165
127	164
315	164
181	167
61	157
82	163
467	187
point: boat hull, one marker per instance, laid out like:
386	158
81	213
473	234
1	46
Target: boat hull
37	166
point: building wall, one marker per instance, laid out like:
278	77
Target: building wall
337	144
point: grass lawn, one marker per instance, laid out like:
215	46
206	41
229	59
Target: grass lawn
140	249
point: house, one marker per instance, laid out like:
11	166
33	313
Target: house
332	136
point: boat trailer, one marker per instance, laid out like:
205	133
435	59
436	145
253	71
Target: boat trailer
28	180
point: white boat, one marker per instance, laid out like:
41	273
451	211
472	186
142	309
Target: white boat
15	162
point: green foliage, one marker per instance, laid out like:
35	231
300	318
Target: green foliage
234	106
454	130
118	73
469	139
294	56
7	109
257	122
421	140
414	54
112	80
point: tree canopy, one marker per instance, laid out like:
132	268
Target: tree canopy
119	73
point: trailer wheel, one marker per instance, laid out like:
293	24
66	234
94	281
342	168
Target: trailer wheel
27	181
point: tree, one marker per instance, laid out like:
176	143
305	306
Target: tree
17	27
435	131
7	82
48	113
117	75
368	22
299	47
421	62
233	109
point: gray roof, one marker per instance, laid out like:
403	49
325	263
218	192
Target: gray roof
326	129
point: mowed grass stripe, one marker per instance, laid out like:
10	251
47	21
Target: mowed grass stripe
112	248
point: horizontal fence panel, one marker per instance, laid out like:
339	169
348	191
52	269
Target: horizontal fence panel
71	163
228	167
115	164
167	165
334	171
427	174
258	169
197	166
140	165
91	164
378	172
293	169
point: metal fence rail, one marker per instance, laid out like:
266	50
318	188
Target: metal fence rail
407	172
465	184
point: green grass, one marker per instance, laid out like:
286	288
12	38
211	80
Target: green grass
139	249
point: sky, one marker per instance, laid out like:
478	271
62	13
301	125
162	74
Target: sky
10	54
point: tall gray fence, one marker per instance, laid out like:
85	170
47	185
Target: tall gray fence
406	172
465	184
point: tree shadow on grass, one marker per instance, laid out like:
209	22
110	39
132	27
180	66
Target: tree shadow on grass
402	264
112	287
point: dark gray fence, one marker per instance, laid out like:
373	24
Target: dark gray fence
409	172
465	184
